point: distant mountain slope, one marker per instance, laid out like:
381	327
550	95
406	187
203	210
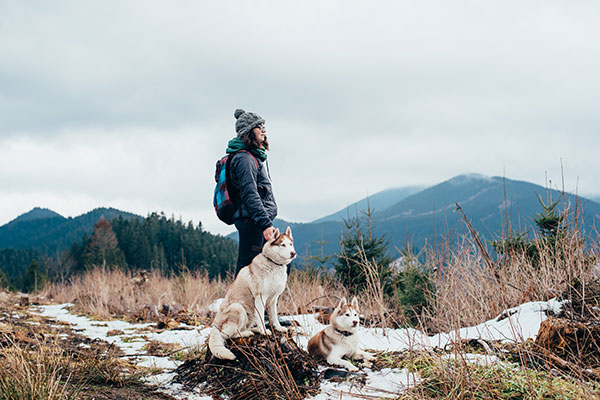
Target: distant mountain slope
50	232
36	213
483	200
429	216
379	201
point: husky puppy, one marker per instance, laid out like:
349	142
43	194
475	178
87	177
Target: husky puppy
339	338
257	286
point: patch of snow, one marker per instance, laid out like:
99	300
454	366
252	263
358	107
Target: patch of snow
521	323
384	384
176	390
130	342
157	362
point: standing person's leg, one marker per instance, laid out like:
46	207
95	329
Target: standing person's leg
251	241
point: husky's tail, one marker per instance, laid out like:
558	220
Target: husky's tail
216	344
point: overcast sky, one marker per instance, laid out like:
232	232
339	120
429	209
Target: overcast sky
129	104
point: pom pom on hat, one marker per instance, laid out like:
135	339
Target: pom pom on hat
238	112
246	121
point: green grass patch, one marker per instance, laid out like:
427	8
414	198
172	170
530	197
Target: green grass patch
457	379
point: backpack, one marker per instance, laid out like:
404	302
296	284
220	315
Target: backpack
225	198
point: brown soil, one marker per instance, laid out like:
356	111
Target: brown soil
130	392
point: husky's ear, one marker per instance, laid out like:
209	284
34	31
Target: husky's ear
342	302
276	235
288	232
354	303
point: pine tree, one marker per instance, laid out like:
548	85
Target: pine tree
411	286
550	226
356	246
4	282
549	222
35	278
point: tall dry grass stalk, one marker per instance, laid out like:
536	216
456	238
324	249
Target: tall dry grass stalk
105	293
372	297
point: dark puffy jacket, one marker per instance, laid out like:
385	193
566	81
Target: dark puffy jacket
253	184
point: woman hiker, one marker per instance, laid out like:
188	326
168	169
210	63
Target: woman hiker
250	178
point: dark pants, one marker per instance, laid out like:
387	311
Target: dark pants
251	240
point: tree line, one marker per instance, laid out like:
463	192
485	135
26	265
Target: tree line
154	242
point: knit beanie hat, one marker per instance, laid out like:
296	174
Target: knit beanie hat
246	121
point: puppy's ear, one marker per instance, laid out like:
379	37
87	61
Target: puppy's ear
288	232
342	302
354	303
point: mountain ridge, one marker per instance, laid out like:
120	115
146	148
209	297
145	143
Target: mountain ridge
491	204
378	201
51	234
427	216
35	213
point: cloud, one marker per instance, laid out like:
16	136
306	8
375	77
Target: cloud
129	104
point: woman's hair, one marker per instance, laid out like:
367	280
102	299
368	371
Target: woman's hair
250	141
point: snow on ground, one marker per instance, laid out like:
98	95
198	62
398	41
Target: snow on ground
521	322
386	383
132	343
516	325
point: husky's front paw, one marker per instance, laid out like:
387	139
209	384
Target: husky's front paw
363	355
261	331
281	329
351	368
369	356
342	363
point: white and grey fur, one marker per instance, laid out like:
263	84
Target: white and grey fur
339	339
257	286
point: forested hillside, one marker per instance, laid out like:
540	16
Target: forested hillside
155	242
51	233
127	242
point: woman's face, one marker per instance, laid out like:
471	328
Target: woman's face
260	133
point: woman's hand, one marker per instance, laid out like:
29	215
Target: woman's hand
268	233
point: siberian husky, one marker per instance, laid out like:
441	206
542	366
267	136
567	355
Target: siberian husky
257	286
339	338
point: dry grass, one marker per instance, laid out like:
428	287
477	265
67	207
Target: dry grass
467	291
374	302
304	291
34	374
108	293
43	360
